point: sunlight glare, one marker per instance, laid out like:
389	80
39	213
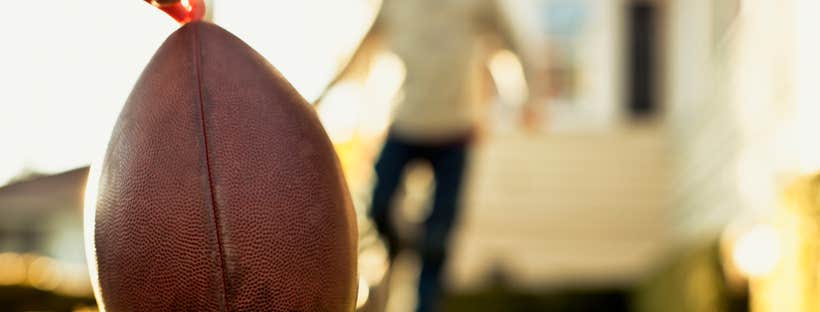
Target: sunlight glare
364	293
306	40
89	214
340	111
756	253
508	75
382	87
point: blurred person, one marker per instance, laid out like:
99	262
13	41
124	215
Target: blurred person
439	42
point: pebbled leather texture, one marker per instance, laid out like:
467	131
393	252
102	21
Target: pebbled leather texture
221	191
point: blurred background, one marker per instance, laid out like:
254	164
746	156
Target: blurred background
673	166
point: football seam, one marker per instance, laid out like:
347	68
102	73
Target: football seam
198	69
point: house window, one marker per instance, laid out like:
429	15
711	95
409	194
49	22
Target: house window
642	53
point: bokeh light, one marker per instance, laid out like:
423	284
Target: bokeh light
757	252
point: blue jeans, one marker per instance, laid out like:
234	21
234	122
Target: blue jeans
448	161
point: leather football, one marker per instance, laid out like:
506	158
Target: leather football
220	190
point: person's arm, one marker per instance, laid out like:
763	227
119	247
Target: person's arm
495	20
498	22
363	54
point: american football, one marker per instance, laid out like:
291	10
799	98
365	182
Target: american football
220	190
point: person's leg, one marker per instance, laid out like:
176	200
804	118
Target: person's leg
389	168
448	168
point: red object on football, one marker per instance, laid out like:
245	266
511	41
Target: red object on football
194	11
220	190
